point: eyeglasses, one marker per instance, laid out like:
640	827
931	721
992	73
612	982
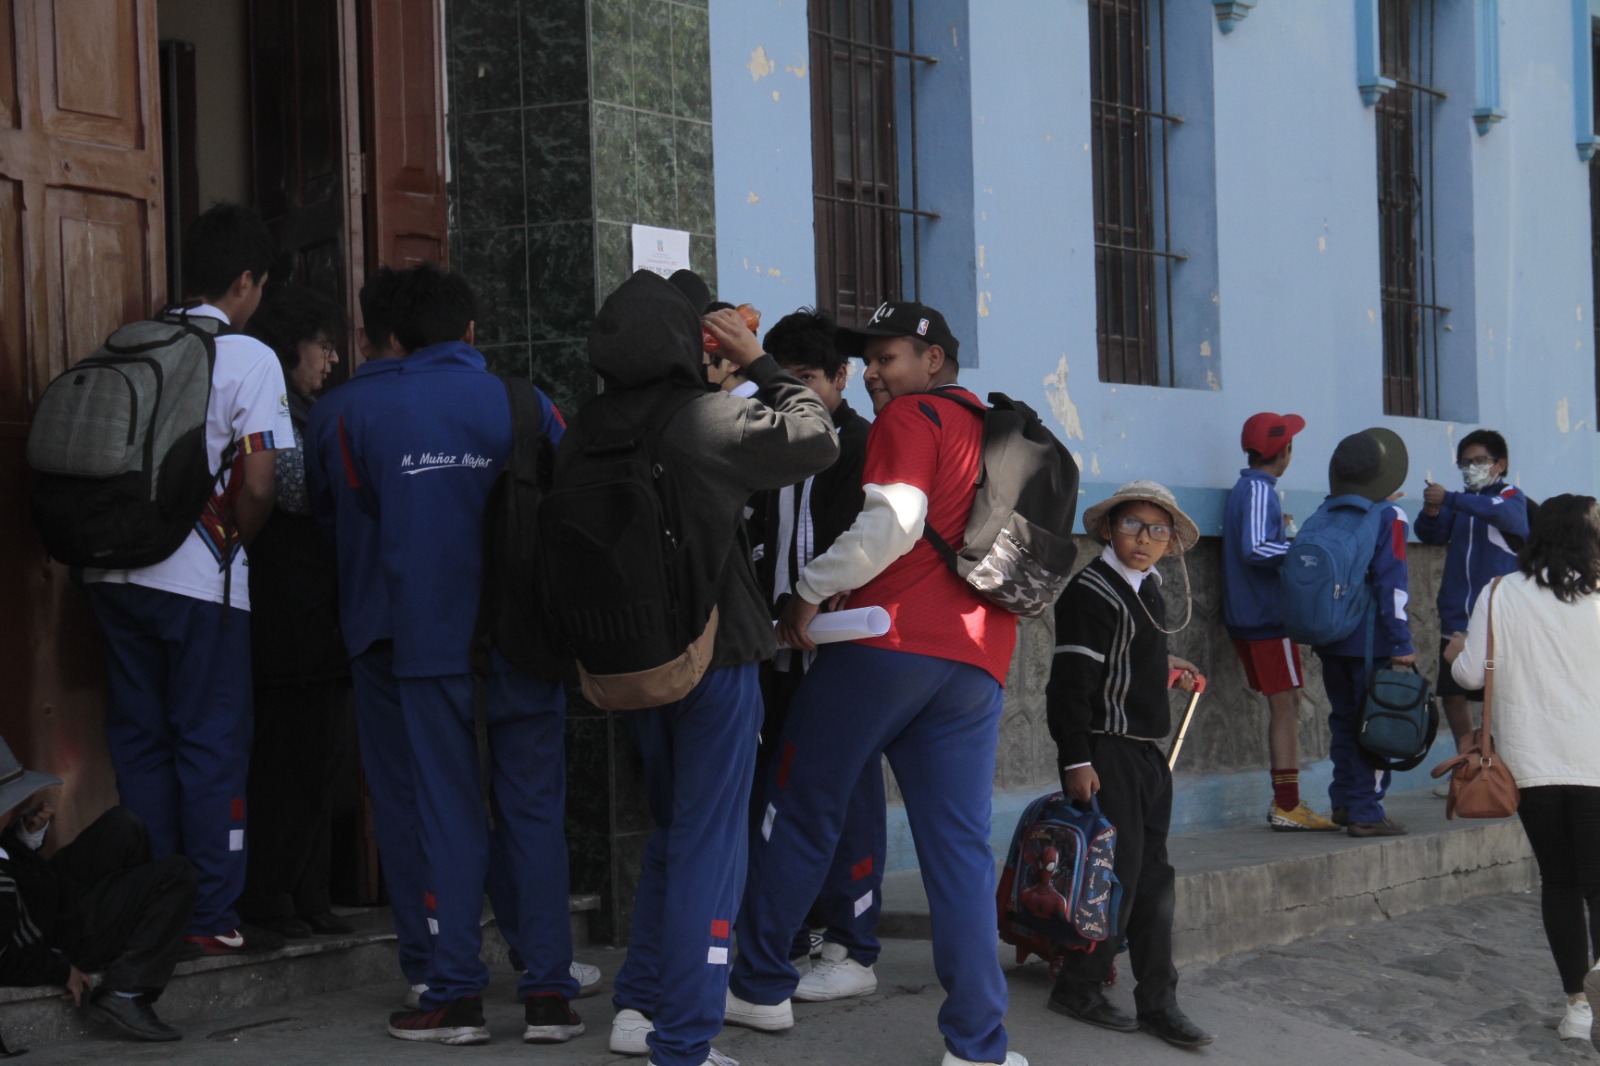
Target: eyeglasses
1477	460
328	349
1132	527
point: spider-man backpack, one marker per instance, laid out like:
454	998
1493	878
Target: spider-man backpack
1058	892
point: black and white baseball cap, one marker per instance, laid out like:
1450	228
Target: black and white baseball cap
899	320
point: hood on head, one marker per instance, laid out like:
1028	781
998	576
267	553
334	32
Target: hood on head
647	332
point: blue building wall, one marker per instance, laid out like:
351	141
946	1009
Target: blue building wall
1275	204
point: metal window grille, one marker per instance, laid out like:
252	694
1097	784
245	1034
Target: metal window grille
1412	313
860	178
1594	210
1133	260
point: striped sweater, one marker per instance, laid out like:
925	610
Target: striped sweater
1109	674
25	956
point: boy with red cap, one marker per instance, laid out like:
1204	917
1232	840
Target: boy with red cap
1254	540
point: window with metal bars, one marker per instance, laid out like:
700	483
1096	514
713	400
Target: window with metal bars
1412	312
1134	260
864	152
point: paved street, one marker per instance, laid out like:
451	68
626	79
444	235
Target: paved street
1463	985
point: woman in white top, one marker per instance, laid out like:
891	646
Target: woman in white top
1547	725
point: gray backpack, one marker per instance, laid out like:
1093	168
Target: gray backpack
119	445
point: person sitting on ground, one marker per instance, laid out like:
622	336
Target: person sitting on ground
1108	711
1254	543
1546	724
1484	525
100	905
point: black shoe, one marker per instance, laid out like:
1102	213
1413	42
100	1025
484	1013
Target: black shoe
1088	1004
328	924
457	1022
1386	828
285	925
549	1020
1173	1026
135	1016
1340	816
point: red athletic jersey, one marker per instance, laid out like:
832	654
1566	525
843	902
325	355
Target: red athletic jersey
937	446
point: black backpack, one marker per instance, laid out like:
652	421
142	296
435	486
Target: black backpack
631	601
1017	549
513	619
119	445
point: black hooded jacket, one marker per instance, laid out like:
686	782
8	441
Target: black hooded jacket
723	449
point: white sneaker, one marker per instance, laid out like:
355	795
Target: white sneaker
835	976
715	1058
1442	789
772	1019
412	1000
1591	989
802	965
628	1031
588	978
1012	1059
1578	1022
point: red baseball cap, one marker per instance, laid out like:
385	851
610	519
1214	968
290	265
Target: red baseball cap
1268	434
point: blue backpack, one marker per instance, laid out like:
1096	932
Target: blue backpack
1058	891
1324	575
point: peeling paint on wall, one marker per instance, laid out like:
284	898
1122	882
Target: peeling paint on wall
1205	349
760	65
753	198
1066	412
1372	316
981	254
1322	243
1211	381
1094	464
983	304
1564	415
776	96
799	72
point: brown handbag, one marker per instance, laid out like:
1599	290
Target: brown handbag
1480	784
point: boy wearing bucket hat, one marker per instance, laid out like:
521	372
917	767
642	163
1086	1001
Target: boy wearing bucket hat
927	695
1371	464
1108	712
1254	540
100	905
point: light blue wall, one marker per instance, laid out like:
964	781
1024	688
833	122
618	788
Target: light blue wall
1296	307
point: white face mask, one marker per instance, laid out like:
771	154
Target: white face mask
1478	477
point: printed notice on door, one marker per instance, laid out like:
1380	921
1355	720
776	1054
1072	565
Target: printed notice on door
661	250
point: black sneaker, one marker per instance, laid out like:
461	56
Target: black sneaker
457	1022
1386	828
550	1020
1340	816
133	1015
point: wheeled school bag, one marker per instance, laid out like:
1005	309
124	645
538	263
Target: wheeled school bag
513	616
631	602
1058	890
1017	548
1324	573
119	445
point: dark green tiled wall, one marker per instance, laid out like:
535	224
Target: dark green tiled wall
570	121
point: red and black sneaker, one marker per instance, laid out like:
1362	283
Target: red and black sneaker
550	1020
457	1022
241	941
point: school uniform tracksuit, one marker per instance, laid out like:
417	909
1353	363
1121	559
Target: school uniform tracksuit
1475	525
420	448
1356	786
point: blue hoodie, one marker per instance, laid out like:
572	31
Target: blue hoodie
1475	525
425	444
1388	577
363	596
1253	545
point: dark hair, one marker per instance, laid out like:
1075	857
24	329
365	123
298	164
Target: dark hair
222	244
719	305
290	314
804	340
1256	460
431	306
1563	549
378	299
1492	442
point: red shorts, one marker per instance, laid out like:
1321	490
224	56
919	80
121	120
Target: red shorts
1271	666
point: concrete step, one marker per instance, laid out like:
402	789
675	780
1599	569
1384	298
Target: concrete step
1246	888
212	987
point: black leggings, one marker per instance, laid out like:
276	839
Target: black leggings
1563	825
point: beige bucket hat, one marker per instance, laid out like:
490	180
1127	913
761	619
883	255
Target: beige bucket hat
1147	492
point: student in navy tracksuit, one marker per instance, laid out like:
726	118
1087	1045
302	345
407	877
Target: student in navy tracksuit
1371	464
927	694
1254	542
1485	526
424	445
368	633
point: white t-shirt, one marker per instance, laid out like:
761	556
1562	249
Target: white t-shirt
249	406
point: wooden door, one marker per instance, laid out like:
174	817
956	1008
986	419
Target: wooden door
81	251
403	56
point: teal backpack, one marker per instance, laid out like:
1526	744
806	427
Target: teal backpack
1324	575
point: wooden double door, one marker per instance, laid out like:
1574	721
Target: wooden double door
349	149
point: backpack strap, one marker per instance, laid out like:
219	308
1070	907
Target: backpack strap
940	545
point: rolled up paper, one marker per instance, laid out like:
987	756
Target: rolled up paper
858	623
